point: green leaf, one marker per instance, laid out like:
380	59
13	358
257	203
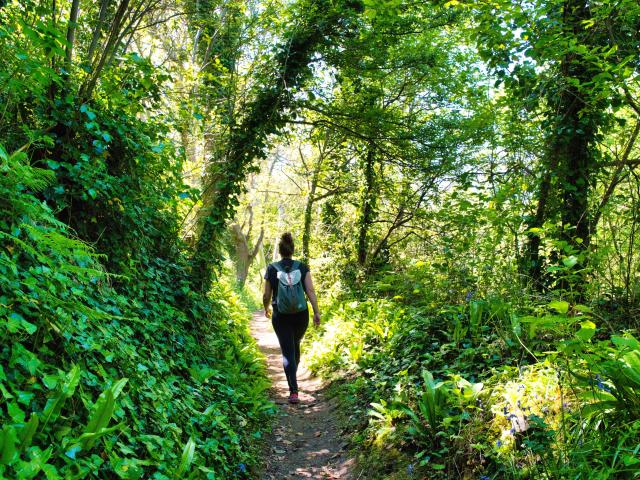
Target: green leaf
28	431
626	342
38	460
587	330
582	308
99	417
559	306
101	414
50	472
73	378
117	387
17	322
186	458
50	381
4	156
54	405
15	412
8	440
630	460
85	109
129	468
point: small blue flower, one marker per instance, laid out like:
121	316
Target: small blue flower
410	469
498	443
242	467
484	477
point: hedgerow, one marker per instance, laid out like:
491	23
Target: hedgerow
149	379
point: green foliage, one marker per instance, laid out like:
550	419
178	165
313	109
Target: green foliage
98	382
466	388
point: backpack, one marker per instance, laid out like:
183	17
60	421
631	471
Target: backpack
290	298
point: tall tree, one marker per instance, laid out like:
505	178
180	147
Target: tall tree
315	24
561	56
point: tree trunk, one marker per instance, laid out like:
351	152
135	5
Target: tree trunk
71	34
86	90
574	147
576	128
368	207
97	31
308	210
244	255
532	263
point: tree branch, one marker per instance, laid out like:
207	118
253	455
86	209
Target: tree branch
617	176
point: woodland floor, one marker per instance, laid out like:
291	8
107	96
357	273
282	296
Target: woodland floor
306	441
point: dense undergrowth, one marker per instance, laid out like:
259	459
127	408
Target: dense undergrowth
144	380
434	386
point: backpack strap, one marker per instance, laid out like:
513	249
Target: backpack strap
280	268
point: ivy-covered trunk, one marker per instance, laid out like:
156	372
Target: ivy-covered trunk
565	184
368	206
308	209
575	129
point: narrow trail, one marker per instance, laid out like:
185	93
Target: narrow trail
306	442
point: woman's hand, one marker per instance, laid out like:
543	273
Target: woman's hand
311	293
266	299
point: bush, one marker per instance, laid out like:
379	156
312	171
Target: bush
475	388
150	380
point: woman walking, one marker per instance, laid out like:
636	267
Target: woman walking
287	281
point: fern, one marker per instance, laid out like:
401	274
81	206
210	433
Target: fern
16	170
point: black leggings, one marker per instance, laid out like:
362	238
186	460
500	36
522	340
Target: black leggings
290	328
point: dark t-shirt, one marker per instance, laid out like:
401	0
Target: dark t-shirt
271	276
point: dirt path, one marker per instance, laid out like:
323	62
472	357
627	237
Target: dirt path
305	442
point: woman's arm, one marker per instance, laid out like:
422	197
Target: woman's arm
266	299
311	293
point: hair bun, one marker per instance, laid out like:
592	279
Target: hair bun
285	245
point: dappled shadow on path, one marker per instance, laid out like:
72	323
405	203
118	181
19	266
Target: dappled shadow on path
305	442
